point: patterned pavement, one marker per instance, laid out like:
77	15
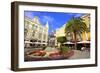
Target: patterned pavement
80	54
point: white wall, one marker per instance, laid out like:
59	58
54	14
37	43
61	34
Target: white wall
5	32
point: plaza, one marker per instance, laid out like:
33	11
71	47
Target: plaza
40	44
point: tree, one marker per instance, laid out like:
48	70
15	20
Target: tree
75	26
61	39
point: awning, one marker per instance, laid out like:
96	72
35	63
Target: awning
84	42
68	43
28	42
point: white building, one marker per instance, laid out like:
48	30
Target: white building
35	33
52	39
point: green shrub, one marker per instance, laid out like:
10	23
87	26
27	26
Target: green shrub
61	39
64	49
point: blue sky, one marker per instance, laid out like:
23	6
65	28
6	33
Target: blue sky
55	19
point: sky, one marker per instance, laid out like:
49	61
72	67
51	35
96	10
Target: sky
54	19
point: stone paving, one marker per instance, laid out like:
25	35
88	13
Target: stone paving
80	54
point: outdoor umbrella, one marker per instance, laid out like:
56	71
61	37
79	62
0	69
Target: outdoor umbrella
84	42
28	42
68	43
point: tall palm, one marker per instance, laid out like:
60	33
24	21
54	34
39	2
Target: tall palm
75	26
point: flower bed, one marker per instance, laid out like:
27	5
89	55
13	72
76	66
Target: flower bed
41	55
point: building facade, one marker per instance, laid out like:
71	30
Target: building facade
60	32
86	20
35	33
52	40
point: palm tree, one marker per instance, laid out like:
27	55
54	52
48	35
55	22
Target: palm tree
75	26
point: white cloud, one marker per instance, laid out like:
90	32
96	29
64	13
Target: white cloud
48	18
78	15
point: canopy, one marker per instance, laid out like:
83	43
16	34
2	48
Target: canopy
83	42
69	43
28	42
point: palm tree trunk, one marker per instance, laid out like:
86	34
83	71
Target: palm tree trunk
75	40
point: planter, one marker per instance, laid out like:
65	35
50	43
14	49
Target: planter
68	54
